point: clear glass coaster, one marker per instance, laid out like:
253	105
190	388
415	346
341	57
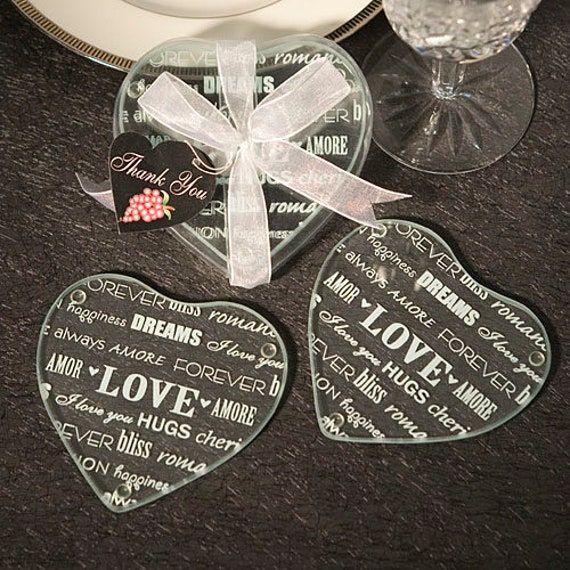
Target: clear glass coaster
341	136
406	347
149	393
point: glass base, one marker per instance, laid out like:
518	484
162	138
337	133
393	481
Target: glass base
425	124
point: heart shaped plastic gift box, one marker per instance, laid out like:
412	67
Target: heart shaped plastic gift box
341	136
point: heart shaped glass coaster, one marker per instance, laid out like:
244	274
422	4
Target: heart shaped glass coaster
342	135
148	393
407	347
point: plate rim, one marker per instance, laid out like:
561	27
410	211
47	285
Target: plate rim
104	57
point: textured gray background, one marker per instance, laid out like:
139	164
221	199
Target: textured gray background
292	499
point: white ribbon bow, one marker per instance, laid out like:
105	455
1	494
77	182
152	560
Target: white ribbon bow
258	141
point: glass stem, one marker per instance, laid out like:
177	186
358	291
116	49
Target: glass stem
447	76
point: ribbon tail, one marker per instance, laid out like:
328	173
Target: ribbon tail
249	252
100	191
237	59
320	181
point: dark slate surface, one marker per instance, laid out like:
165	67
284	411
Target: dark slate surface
293	499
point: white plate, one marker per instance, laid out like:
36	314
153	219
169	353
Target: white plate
116	32
199	9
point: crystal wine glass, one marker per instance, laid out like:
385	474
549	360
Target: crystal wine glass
462	95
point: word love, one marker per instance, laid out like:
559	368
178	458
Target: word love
397	336
136	387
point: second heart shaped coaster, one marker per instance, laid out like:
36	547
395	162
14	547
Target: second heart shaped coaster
148	393
406	347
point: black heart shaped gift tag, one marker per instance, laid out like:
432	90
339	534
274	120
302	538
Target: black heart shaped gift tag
156	188
148	393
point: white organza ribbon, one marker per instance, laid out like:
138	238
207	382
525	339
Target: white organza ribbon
256	139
